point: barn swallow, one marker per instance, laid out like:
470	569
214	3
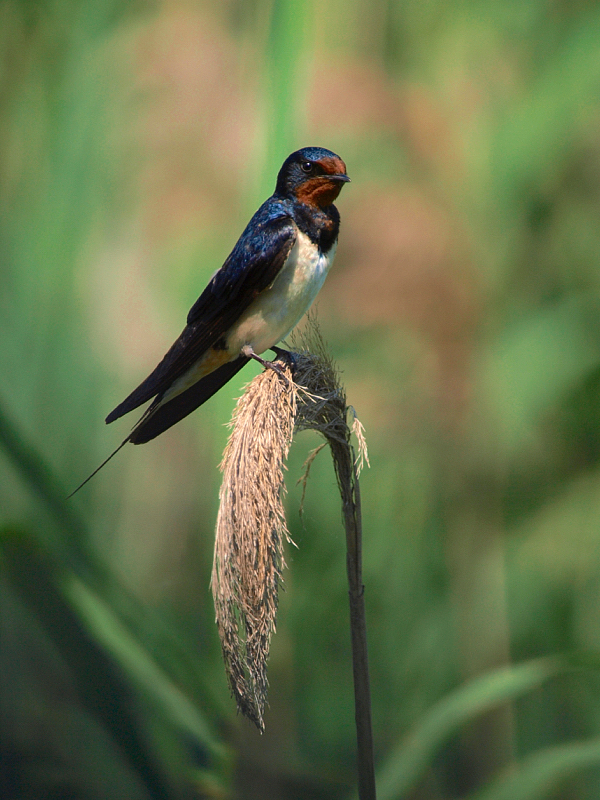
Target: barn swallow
253	301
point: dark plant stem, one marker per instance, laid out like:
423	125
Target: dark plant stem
344	461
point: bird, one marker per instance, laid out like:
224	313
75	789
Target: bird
265	286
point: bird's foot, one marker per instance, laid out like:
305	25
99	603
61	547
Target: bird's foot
279	352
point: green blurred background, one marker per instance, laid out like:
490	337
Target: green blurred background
136	139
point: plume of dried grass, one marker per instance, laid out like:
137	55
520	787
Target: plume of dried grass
251	527
251	530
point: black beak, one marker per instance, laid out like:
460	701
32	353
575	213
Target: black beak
339	177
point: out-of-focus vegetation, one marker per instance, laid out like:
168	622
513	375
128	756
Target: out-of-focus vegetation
464	309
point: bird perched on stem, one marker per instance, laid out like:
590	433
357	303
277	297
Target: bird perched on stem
253	301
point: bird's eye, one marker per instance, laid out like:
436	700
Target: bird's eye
306	166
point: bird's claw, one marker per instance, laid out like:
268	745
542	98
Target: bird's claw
279	352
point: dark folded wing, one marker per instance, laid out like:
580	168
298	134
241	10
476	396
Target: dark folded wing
159	417
253	265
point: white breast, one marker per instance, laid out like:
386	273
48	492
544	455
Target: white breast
280	307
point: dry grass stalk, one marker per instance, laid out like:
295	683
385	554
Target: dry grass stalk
327	413
251	526
250	535
322	406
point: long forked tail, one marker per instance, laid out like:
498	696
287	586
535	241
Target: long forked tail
159	417
106	460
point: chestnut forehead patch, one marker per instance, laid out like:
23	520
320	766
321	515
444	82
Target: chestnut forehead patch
332	165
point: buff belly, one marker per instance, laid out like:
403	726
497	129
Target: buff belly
280	307
271	317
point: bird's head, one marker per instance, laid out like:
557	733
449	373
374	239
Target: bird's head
313	176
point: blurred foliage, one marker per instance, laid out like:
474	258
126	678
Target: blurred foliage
464	311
